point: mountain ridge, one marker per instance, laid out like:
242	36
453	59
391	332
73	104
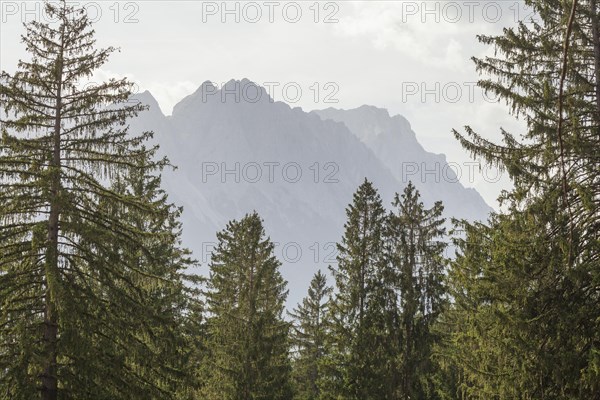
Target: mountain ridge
232	158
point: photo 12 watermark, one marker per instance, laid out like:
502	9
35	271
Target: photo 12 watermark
119	12
251	92
445	92
448	172
292	252
269	172
457	12
252	12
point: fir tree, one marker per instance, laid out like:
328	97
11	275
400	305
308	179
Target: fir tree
416	251
170	319
90	270
309	338
358	366
526	286
248	337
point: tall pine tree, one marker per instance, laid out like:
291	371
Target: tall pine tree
526	286
415	237
309	338
90	270
358	366
168	294
248	338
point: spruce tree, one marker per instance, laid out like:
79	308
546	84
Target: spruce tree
248	338
415	237
309	338
170	321
358	366
526	286
90	270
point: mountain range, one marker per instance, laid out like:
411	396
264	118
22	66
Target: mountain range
237	152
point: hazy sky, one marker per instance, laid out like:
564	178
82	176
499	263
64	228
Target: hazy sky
411	57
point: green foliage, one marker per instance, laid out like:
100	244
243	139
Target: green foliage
389	292
355	364
91	270
248	338
95	301
525	321
416	248
309	338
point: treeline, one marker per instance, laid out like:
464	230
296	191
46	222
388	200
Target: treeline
97	302
371	338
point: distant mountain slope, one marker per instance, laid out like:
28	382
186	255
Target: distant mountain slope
395	144
236	154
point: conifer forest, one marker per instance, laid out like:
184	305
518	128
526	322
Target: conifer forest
101	299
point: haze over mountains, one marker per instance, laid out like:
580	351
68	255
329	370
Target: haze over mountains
245	152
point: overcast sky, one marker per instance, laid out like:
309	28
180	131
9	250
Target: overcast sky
412	58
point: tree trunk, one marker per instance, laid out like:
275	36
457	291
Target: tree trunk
596	40
49	380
